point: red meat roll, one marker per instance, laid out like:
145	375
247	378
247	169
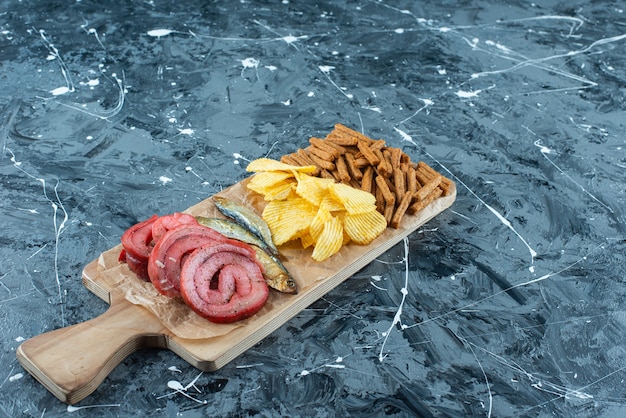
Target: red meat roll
223	283
137	243
171	221
171	251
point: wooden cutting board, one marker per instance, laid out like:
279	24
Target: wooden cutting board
71	362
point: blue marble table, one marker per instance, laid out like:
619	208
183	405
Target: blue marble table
515	296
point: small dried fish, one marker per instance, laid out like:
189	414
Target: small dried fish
233	230
248	219
275	274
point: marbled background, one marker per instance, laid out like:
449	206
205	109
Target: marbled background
112	111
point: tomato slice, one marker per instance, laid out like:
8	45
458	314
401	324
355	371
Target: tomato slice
170	252
223	282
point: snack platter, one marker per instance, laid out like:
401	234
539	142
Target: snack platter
71	362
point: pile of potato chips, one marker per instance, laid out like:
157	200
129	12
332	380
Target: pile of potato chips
317	211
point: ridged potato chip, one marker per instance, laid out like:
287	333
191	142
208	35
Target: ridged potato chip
268	164
288	219
317	211
319	221
354	200
265	179
307	240
279	190
362	228
329	241
313	189
331	204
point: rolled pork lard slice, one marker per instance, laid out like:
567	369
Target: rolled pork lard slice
137	242
171	251
223	283
136	265
171	221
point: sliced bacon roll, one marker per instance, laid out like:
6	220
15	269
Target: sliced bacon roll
223	282
171	221
137	242
171	251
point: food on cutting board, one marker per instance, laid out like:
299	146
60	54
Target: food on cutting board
240	291
400	185
344	188
341	189
219	268
317	211
275	273
247	218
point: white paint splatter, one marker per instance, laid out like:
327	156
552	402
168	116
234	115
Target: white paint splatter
164	179
187	131
15	377
499	46
178	387
157	33
427	103
397	319
405	136
373	108
326	69
239	156
72	408
468	94
58	228
250	63
544	150
60	91
91	83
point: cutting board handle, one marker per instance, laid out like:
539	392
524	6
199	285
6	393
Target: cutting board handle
71	362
